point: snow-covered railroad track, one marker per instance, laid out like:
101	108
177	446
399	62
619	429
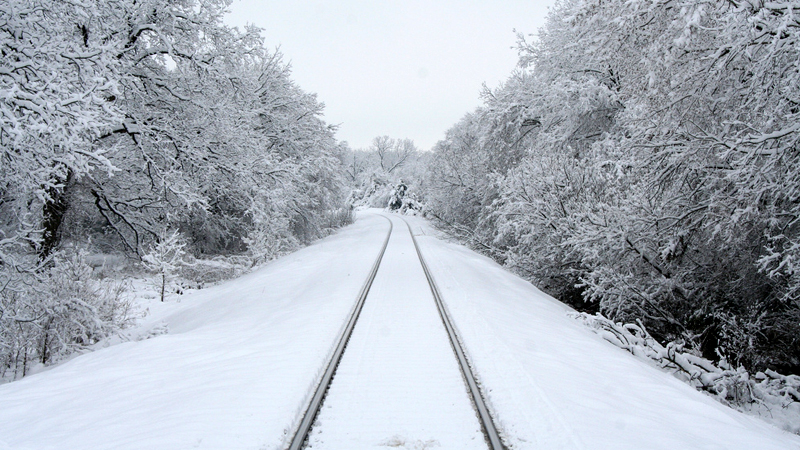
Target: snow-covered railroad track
487	423
315	403
397	385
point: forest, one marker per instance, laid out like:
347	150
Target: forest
150	130
642	161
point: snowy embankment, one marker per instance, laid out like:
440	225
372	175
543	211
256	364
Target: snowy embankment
238	360
232	370
554	384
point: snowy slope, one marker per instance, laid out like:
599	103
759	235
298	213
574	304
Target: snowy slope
240	359
232	372
554	384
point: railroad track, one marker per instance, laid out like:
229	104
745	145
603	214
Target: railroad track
301	434
487	424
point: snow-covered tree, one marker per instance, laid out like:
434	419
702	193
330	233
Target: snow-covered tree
643	158
165	257
58	81
122	118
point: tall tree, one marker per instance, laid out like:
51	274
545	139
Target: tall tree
643	158
58	82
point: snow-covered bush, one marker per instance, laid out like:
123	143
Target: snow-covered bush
165	258
411	206
266	244
768	394
339	217
375	193
47	316
404	202
396	196
201	272
271	234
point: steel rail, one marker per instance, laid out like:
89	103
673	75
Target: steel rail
314	405
487	423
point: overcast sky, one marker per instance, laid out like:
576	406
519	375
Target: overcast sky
406	69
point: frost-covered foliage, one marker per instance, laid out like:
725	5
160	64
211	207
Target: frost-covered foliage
54	91
165	257
397	195
768	394
201	272
643	161
460	183
222	144
122	118
45	318
375	172
404	202
194	124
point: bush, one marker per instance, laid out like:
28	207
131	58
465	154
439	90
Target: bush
45	317
214	270
769	395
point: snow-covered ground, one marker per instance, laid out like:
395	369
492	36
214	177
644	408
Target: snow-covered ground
236	362
398	383
231	373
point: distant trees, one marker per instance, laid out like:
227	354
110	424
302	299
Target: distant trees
375	171
119	119
643	159
392	154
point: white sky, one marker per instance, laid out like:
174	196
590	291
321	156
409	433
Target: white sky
406	69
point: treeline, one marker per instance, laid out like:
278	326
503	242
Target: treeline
375	172
126	121
644	161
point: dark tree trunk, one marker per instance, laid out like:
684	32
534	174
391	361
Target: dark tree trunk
44	355
53	213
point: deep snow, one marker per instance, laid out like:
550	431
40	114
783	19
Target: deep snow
239	360
232	372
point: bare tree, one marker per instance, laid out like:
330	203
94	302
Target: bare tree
392	153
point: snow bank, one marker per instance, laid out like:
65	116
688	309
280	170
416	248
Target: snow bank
769	395
231	372
554	384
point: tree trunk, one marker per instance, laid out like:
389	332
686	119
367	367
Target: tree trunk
53	213
44	353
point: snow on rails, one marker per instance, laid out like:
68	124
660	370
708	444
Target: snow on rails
304	431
